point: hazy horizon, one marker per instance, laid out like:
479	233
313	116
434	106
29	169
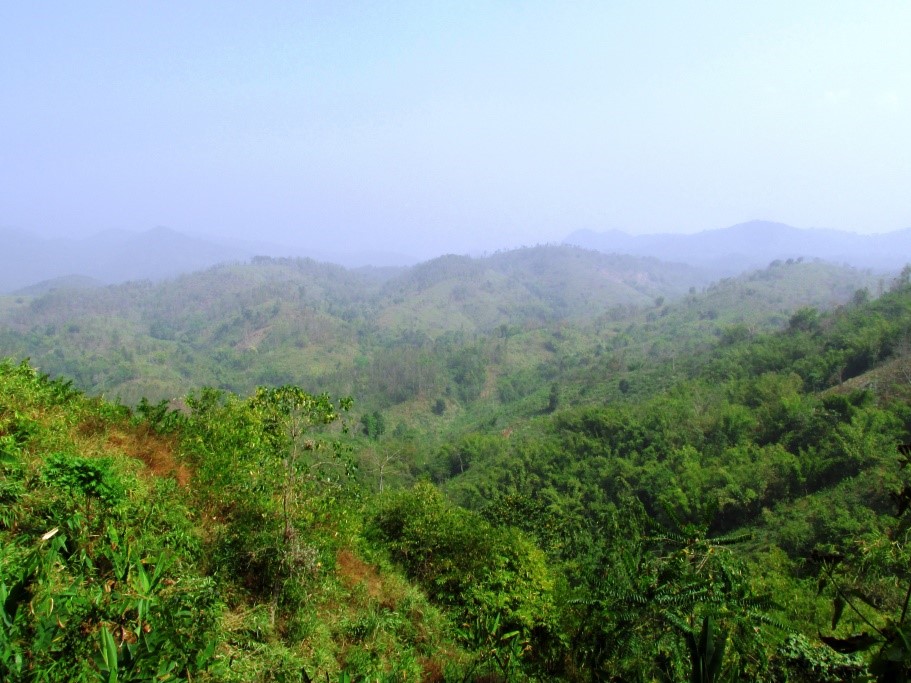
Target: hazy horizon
460	128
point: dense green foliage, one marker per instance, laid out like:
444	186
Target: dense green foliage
456	328
223	549
690	490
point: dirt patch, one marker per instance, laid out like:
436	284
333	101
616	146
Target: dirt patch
353	571
432	671
92	426
252	339
156	451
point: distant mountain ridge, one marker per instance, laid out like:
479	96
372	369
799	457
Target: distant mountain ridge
116	256
76	282
755	244
110	257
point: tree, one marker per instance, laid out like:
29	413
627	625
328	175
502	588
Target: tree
672	605
288	412
263	468
381	462
553	398
374	424
874	585
804	320
495	579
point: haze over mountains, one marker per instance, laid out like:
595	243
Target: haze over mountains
754	244
109	257
114	256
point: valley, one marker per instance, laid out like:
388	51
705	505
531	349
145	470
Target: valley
544	464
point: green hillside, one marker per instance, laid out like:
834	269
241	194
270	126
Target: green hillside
389	335
543	507
163	546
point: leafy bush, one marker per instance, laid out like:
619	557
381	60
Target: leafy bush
495	578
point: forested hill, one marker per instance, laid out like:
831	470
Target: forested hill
445	294
744	518
453	329
534	285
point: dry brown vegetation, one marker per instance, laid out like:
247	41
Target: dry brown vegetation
155	450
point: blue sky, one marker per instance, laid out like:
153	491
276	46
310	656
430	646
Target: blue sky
429	127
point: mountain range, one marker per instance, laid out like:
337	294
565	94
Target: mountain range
114	256
755	244
110	257
36	264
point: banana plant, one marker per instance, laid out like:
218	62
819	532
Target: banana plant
706	651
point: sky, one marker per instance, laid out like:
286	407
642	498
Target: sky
431	127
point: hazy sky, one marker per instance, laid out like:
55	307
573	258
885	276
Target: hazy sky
424	127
